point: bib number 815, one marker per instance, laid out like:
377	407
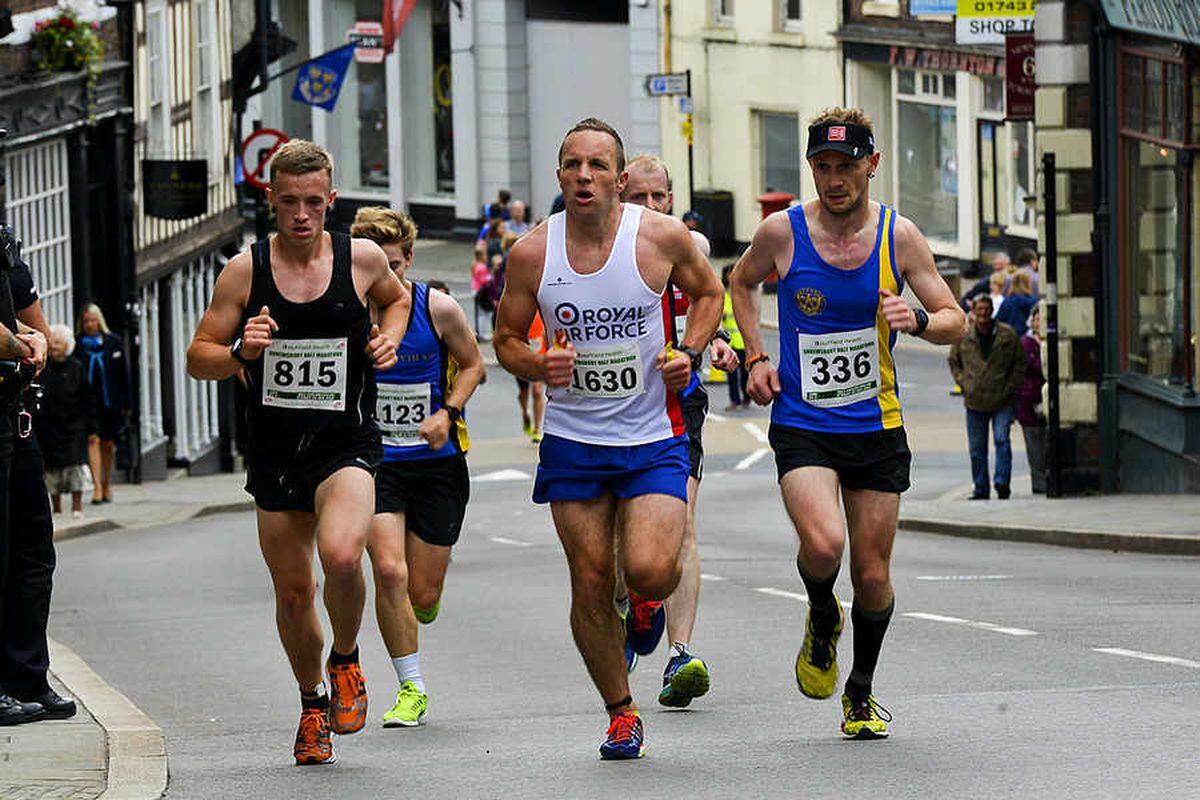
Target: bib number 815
287	373
840	368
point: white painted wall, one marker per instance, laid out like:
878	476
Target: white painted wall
645	58
576	70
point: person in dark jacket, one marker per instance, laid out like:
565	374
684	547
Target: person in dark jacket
1019	301
989	365
64	422
103	357
1029	403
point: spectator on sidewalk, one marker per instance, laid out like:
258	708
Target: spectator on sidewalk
1000	265
517	225
481	278
1027	262
989	365
64	422
1029	403
996	283
103	357
1019	301
736	380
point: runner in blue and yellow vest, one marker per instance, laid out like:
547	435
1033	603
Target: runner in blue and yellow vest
422	487
836	424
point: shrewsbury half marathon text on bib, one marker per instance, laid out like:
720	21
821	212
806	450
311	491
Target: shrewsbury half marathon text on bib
305	373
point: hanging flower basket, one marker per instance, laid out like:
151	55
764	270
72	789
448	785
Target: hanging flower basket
64	44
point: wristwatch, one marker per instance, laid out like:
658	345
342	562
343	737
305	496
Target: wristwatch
723	335
922	321
453	412
235	350
695	355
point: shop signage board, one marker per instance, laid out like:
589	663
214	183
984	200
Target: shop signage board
920	8
175	189
367	38
1020	81
989	21
1178	20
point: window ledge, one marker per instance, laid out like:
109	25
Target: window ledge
720	33
876	8
1176	395
787	38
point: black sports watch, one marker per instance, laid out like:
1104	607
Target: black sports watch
922	321
723	335
695	355
235	350
454	412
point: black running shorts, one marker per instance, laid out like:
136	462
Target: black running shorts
279	484
879	460
695	409
431	492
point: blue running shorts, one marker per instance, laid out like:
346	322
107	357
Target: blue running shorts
570	470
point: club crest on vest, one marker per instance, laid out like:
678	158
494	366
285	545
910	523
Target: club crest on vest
810	301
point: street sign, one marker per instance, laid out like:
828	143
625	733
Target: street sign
686	106
1020	82
989	21
367	38
268	140
667	83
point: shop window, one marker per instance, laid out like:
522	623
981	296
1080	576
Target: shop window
158	120
722	12
1154	102
780	148
1156	261
359	129
37	197
150	369
206	100
927	154
993	95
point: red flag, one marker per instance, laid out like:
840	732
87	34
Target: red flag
395	14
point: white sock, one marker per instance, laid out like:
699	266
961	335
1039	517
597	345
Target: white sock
408	668
678	648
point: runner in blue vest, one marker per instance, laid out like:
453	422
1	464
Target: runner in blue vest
836	423
422	487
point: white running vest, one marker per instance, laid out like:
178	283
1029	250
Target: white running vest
618	326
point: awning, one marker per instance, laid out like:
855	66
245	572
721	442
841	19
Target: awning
1178	20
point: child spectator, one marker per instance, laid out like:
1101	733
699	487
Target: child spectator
64	422
481	278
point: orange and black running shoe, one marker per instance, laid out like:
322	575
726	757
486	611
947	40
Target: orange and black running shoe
314	741
347	697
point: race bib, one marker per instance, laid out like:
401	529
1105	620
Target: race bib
609	372
838	369
400	408
305	373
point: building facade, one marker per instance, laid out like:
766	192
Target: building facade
1118	103
182	151
760	71
463	108
952	161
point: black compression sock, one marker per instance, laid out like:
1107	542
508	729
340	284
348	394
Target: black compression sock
820	597
317	699
339	660
869	629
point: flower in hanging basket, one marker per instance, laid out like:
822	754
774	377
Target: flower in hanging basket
63	44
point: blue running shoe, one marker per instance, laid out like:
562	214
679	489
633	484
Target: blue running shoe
645	624
685	679
625	738
631	658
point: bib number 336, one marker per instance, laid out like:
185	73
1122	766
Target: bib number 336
838	369
305	373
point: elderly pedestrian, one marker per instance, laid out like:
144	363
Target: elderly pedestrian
989	364
102	354
1029	403
64	422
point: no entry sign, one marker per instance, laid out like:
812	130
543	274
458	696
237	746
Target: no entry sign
267	141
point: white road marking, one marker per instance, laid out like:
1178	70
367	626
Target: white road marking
986	626
720	474
502	475
803	598
752	459
1120	651
964	577
756	432
715	417
704	576
513	542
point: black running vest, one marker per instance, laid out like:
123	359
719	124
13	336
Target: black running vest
314	387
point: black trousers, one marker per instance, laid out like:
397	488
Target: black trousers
25	658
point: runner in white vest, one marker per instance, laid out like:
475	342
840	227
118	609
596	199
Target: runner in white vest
614	460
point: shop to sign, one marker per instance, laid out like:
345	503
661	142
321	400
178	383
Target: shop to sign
990	21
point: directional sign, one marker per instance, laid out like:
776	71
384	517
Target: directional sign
667	83
367	38
268	140
989	21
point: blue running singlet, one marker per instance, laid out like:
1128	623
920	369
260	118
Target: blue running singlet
414	389
835	361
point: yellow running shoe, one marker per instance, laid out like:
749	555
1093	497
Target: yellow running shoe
410	708
864	718
816	663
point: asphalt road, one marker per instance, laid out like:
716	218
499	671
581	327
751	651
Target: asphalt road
1013	671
